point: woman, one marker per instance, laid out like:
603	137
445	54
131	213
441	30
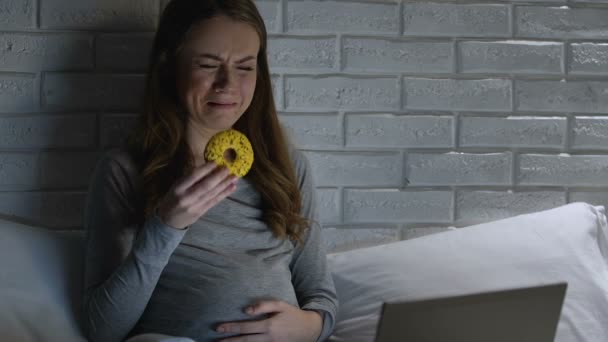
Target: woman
173	246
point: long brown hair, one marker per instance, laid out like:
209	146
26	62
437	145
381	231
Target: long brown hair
159	138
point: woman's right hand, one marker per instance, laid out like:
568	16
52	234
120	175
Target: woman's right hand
192	196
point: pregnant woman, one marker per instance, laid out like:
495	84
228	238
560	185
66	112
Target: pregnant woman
180	245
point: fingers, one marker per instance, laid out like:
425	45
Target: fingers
212	200
204	186
254	330
195	176
253	327
210	181
267	306
204	193
247	338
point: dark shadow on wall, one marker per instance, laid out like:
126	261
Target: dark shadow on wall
87	91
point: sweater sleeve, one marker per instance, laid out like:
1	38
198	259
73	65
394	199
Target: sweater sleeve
123	261
311	277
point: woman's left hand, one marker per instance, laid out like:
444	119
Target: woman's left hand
286	323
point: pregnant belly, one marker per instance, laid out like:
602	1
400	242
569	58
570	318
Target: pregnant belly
191	301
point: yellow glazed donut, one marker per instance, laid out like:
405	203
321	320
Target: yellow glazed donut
232	149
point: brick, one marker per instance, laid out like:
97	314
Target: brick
473	207
269	10
61	210
413	233
563	170
387	130
561	22
317	53
47	131
372	54
107	15
328	205
588	58
93	91
115	128
590	133
456	168
556	96
352	168
513	131
338	16
449	94
313	130
443	19
17	14
333	92
123	52
17	93
391	206
46	170
345	239
591	197
511	56
35	52
277	91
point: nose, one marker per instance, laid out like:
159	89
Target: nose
225	80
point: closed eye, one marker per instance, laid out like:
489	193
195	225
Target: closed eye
207	66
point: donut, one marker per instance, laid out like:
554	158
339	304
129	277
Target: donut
232	149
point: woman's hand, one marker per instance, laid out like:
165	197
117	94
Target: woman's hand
190	198
287	323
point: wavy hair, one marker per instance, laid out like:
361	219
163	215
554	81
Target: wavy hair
159	137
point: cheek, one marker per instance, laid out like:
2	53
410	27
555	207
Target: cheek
248	86
195	87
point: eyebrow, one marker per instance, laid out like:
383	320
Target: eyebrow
216	57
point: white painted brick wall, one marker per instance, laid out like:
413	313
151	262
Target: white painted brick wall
510	57
453	20
17	14
416	116
588	59
123	52
339	92
91	91
373	54
395	131
115	15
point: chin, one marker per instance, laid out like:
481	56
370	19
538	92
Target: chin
221	125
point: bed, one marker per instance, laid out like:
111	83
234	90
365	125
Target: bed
41	272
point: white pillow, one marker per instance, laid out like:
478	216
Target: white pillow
40	280
567	243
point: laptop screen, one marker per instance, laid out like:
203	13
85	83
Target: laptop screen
522	315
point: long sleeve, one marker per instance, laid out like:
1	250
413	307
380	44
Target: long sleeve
123	261
311	277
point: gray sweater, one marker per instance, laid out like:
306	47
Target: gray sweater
151	277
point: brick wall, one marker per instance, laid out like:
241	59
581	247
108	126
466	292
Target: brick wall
489	109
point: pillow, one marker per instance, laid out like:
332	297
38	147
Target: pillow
41	286
40	283
567	243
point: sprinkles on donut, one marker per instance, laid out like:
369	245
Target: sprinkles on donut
232	149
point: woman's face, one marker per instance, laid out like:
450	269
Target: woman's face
216	71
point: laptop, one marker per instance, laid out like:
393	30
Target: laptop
516	315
